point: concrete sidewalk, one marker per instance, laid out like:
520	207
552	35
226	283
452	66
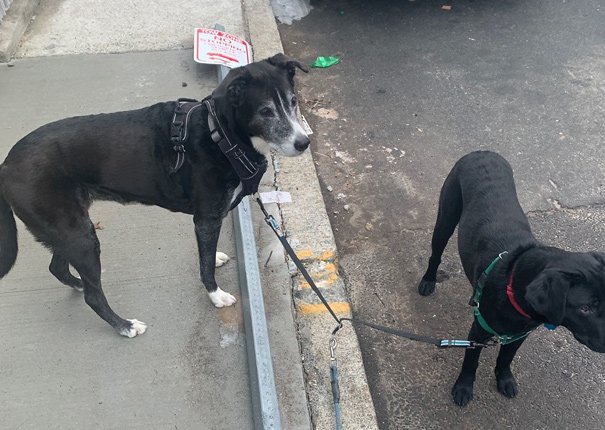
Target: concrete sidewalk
60	359
192	360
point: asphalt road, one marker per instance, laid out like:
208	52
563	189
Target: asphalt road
418	87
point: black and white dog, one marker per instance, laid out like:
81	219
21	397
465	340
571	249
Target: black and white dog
50	177
527	284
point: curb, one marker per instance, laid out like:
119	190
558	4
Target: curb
310	234
13	25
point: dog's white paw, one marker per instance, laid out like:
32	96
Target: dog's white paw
220	298
221	259
138	327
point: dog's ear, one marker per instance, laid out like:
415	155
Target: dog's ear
547	294
289	64
232	90
236	91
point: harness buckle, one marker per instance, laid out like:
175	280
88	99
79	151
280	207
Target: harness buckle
238	153
179	148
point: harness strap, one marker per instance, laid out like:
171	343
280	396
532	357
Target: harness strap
476	299
248	171
179	129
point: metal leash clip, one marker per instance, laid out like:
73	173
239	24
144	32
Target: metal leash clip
269	219
333	345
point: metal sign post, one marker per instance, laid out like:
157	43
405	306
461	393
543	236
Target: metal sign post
260	366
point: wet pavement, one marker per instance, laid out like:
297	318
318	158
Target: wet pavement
62	366
418	87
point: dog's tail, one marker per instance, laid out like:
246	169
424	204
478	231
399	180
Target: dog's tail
8	237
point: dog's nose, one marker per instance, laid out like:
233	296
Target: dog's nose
302	143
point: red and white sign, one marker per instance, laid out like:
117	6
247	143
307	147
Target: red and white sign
217	47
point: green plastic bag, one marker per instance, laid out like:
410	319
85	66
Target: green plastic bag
324	62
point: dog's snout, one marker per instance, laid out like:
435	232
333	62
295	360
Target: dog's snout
302	143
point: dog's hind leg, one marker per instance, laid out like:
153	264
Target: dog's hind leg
507	385
57	215
448	215
83	251
59	267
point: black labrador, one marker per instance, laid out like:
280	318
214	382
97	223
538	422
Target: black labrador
529	285
51	176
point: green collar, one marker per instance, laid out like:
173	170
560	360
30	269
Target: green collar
502	338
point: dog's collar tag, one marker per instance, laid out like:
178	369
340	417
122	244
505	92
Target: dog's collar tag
248	171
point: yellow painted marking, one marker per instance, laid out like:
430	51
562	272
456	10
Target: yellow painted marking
321	284
330	267
327	255
319	308
326	277
303	254
308	254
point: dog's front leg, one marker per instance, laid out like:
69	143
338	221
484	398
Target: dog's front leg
504	376
462	391
207	230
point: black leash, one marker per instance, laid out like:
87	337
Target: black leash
270	220
441	343
250	174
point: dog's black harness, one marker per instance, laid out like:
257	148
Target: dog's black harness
179	129
249	172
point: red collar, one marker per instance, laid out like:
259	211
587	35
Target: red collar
511	297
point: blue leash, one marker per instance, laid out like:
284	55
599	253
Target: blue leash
334	383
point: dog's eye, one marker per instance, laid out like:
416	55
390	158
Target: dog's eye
586	309
294	101
266	111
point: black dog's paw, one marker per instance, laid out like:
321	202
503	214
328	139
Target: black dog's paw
507	386
426	288
462	393
77	284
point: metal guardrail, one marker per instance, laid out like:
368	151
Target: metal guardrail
4	4
265	407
